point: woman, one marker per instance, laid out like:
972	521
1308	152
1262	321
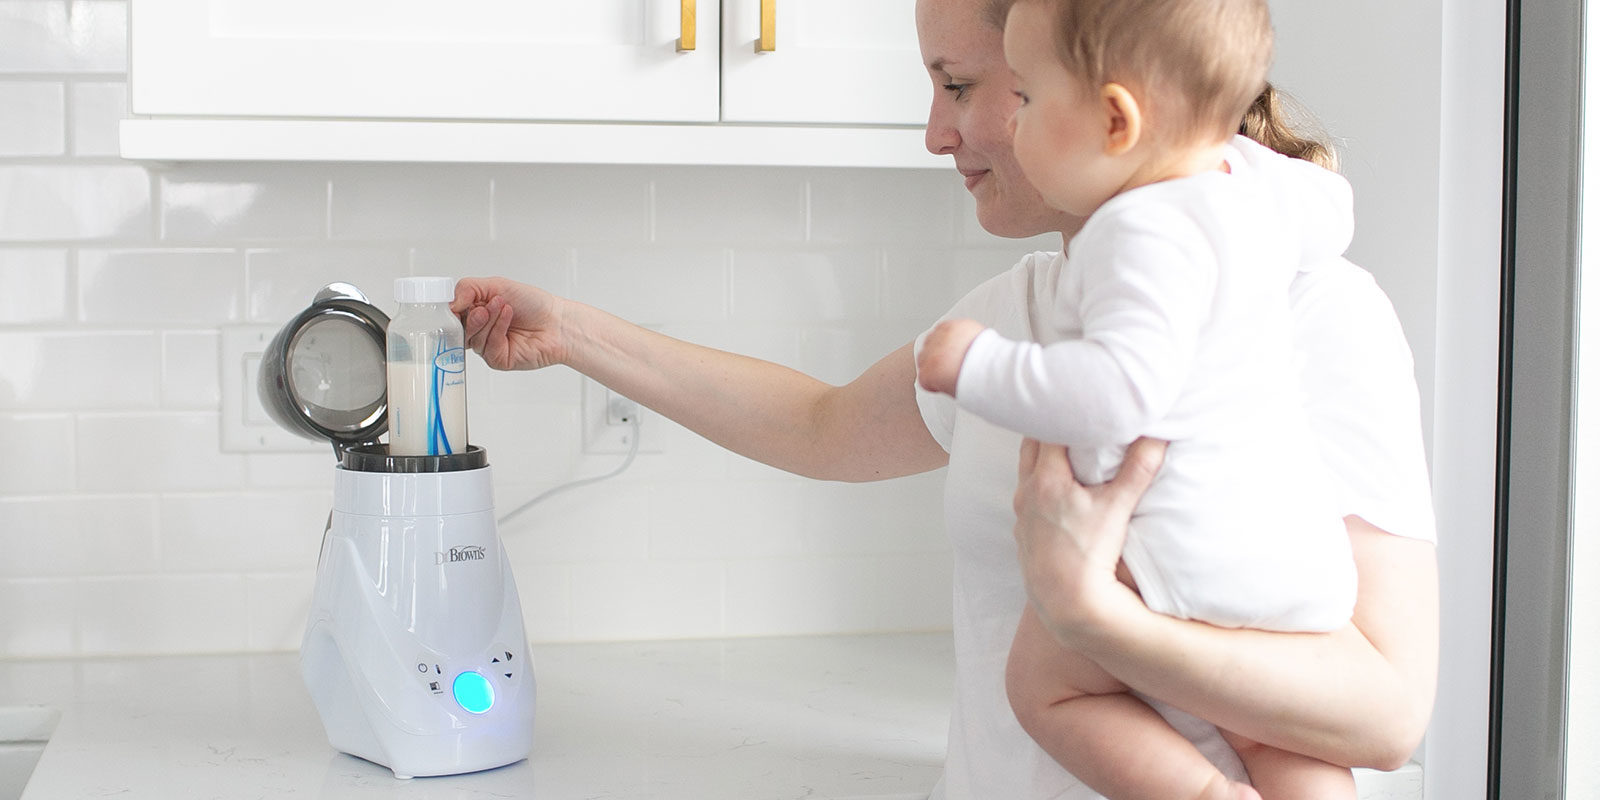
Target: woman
1358	696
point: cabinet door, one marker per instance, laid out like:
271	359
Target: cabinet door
833	61
424	59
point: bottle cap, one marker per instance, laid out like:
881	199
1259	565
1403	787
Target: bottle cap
424	290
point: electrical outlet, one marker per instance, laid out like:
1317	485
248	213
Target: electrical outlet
246	428
620	410
607	425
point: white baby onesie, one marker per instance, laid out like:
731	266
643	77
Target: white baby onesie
1172	321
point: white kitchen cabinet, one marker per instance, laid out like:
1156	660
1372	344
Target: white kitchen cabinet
421	59
833	61
833	82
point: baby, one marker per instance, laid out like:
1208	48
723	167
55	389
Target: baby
1172	321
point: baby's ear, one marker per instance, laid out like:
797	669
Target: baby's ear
1124	120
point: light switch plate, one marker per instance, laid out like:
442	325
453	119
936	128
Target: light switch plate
246	428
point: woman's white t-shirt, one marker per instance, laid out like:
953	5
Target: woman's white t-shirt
1365	414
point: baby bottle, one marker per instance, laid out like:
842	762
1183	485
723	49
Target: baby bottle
427	371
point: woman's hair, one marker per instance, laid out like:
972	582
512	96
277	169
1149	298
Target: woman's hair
1269	121
1199	63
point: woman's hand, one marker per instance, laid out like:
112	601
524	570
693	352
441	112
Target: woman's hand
1070	536
512	325
1357	696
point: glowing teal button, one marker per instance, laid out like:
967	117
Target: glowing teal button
473	692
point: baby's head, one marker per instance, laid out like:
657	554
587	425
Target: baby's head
1189	68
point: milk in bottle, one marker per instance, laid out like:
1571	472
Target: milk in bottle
427	371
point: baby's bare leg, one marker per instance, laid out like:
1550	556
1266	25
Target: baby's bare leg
1280	774
1089	723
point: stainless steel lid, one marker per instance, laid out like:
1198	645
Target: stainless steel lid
323	376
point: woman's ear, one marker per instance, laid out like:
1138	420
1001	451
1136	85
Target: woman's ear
1124	120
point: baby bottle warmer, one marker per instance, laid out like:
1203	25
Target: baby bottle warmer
414	654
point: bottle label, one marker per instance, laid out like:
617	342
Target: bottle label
448	365
451	360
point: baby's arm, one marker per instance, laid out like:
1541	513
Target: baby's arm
941	353
1075	392
1126	329
1048	393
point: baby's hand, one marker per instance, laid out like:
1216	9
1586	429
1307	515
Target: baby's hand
943	350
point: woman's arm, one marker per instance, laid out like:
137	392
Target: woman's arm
867	429
1359	696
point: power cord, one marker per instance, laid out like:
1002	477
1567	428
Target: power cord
633	450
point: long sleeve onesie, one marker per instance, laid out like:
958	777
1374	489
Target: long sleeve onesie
1173	322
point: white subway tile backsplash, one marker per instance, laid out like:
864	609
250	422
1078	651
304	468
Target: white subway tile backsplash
572	204
687	454
39	617
40	453
154	452
80	370
162	614
62	536
801	596
311	470
890	207
277	606
190	374
64	36
552	386
921	284
410	203
711	521
664	600
531	446
548	267
654	285
34	286
904	515
709	204
813	286
118	534
74	202
545	592
238	532
206	203
838	353
35	120
161	287
97	110
283	282
599	522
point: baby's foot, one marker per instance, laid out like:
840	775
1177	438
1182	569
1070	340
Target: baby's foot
1220	788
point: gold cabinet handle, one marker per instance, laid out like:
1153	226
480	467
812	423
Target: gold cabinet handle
685	25
769	27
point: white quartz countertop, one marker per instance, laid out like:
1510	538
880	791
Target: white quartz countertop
840	717
743	719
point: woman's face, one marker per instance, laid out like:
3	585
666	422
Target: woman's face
971	114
